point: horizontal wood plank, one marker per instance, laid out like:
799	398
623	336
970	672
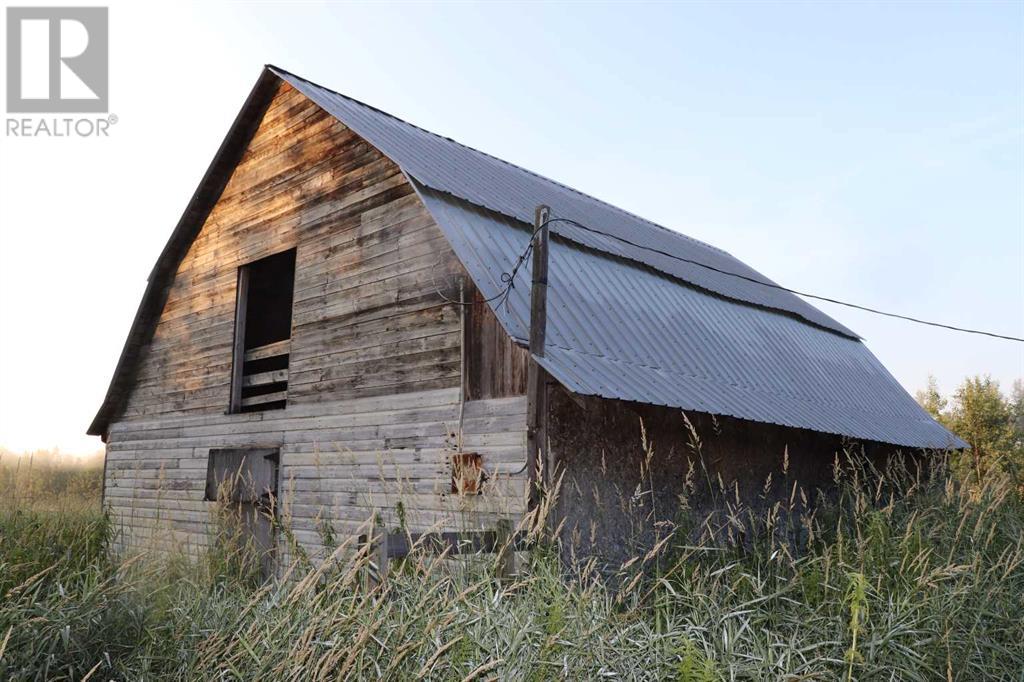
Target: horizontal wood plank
276	376
274	397
270	350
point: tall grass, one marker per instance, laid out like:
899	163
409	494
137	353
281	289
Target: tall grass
909	575
50	479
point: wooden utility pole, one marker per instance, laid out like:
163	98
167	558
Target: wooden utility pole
536	378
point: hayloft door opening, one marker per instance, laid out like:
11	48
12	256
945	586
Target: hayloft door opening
245	482
263	328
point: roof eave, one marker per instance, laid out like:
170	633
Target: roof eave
158	284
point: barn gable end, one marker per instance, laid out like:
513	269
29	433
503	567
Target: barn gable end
366	317
373	374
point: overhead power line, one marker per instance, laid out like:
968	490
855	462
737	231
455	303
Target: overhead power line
772	285
508	278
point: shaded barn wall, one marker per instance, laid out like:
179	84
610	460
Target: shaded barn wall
622	482
496	366
373	390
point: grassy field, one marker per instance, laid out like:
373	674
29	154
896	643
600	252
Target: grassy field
899	579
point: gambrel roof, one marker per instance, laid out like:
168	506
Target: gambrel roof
630	316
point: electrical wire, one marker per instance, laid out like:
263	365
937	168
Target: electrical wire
508	278
772	285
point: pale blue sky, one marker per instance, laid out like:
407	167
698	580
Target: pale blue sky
871	152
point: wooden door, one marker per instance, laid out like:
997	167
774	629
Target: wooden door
246	478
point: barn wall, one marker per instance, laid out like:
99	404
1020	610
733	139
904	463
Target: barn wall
608	473
375	351
341	461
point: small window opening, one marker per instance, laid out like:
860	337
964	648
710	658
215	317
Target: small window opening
263	327
468	475
243	481
247	475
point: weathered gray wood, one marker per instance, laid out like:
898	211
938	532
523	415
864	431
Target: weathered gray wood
465	340
539	286
243	474
505	564
238	347
351	474
438	405
382	557
536	394
276	396
276	376
364	234
496	366
270	350
210	191
399	544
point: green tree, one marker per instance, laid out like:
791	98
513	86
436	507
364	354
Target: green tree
992	424
981	416
1017	415
931	399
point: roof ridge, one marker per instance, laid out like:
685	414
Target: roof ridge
562	185
445	165
419	186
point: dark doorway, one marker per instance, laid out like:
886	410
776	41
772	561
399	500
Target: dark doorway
245	480
263	327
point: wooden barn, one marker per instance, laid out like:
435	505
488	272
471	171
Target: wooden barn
339	313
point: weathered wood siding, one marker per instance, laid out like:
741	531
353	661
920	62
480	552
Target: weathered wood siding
373	391
367	318
340	462
626	468
495	366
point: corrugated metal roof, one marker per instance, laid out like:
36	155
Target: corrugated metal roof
620	330
447	166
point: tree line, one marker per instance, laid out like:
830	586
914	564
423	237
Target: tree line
990	421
